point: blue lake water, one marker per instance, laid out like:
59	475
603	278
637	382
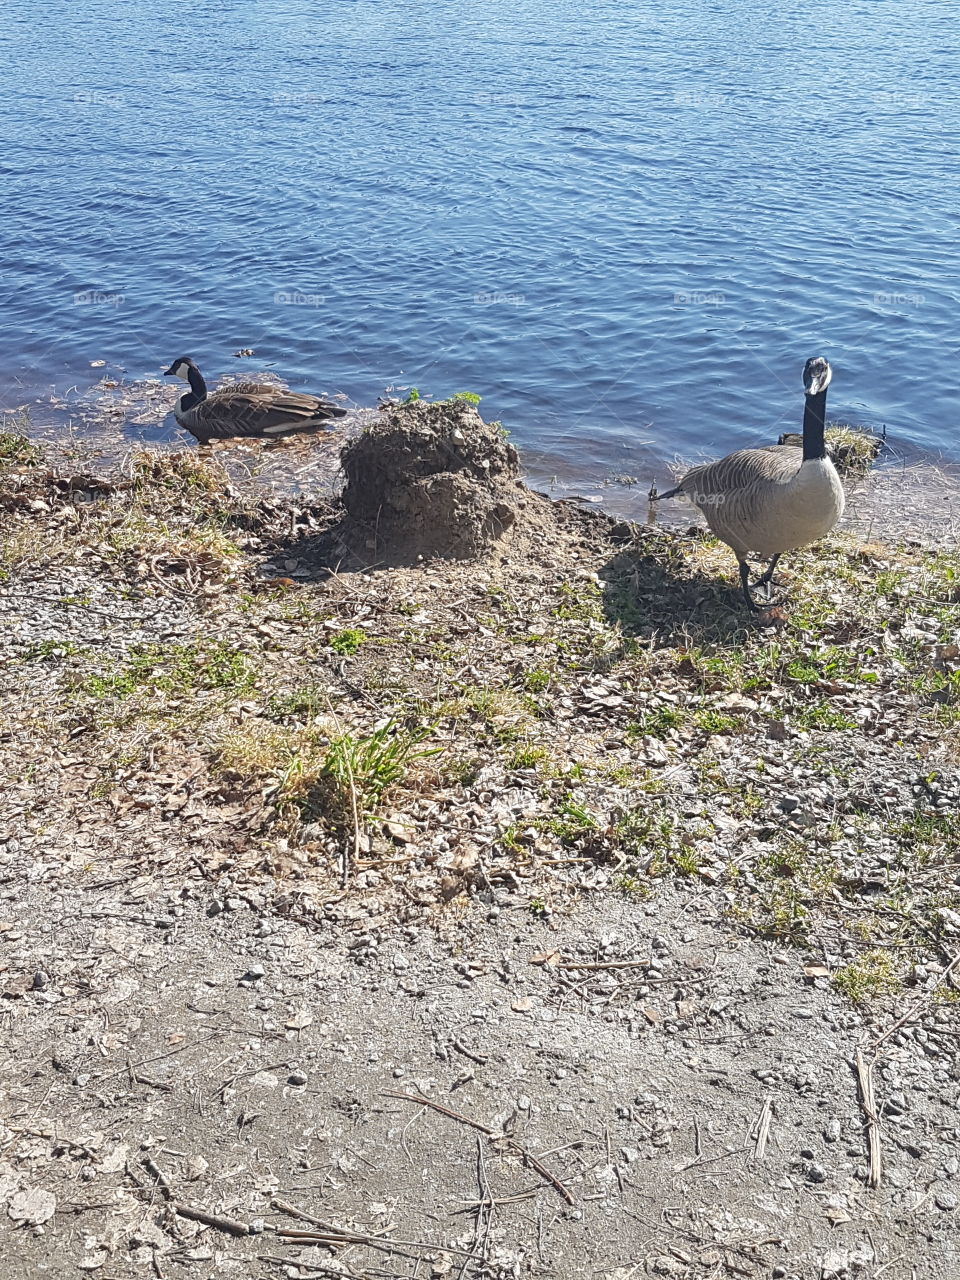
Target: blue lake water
625	224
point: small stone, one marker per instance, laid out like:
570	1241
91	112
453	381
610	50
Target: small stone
296	1077
807	1153
254	973
789	803
41	980
816	1172
945	1200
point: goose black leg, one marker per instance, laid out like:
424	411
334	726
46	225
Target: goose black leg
768	572
745	583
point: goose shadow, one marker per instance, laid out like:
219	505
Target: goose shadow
659	595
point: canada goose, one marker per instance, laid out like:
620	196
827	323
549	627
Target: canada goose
246	409
774	499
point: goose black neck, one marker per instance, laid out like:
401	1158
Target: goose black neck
197	384
814	421
197	392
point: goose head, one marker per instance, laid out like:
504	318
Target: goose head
816	376
181	369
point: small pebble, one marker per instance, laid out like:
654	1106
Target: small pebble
945	1200
296	1077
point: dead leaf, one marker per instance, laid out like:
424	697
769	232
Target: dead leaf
32	1206
549	958
523	1004
297	1021
816	971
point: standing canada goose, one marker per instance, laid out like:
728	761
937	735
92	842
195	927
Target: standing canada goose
771	500
247	409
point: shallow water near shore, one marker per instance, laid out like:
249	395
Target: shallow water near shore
626	227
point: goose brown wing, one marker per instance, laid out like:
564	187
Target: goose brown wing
232	413
747	469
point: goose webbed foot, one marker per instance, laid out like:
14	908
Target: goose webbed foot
769	602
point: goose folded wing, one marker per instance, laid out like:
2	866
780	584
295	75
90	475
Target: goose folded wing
745	469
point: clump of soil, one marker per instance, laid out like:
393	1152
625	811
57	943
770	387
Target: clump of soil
430	480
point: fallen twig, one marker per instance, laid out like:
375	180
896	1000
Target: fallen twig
526	1156
230	1225
869	1103
761	1129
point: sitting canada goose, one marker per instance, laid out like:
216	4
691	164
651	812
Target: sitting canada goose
245	409
774	499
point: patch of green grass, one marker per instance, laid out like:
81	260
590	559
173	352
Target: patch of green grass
361	768
870	975
631	886
930	835
579	602
340	778
570	821
174	669
49	649
16	450
657	723
711	722
526	756
347	642
468	397
789	882
536	680
822	716
298	704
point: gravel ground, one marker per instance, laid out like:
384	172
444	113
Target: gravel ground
559	840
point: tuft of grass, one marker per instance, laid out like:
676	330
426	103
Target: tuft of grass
186	473
357	771
526	756
536	680
656	723
467	397
870	975
49	649
298	704
348	641
789	882
340	777
716	722
174	669
17	451
571	821
822	716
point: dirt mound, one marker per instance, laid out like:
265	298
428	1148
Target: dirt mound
431	480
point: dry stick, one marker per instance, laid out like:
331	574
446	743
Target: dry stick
525	1155
230	1225
344	1235
169	1054
315	1268
761	1129
372	1242
869	1104
479	1058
